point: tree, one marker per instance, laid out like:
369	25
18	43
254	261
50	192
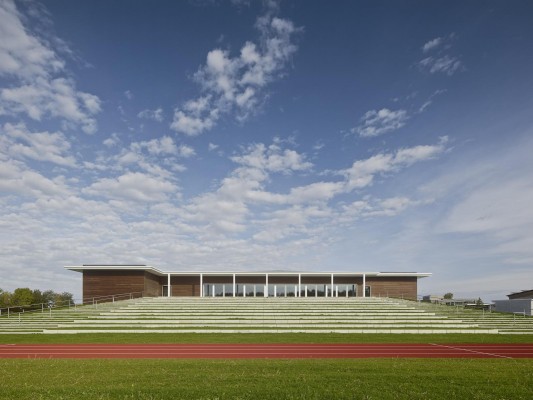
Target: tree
49	297
448	296
22	297
5	298
63	299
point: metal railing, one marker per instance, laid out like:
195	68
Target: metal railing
111	298
19	310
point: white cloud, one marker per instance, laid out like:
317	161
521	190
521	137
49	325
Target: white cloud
362	172
236	84
16	178
22	55
163	145
133	186
445	64
440	61
378	122
193	125
33	70
273	159
186	151
19	142
112	140
432	44
156	115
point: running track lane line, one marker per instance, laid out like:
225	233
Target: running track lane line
226	351
472	351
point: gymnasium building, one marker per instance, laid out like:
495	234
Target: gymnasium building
107	280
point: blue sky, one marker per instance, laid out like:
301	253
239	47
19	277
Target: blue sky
243	135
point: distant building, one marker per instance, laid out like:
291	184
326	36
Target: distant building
518	303
524	294
106	280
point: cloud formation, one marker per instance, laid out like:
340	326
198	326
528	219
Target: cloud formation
379	122
235	85
440	61
38	85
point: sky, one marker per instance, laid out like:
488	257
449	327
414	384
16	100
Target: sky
258	136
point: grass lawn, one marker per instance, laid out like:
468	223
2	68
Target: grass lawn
267	379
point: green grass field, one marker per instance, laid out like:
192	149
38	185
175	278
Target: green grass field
266	379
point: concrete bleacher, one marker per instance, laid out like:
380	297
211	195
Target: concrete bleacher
264	315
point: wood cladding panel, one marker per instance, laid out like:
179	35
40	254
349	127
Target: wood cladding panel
152	285
217	279
186	290
106	283
250	279
282	279
315	280
399	287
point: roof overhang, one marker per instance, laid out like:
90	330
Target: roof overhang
156	271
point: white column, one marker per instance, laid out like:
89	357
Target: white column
285	291
364	285
299	286
337	291
275	287
213	291
234	285
266	286
255	290
243	290
316	290
168	285
201	285
305	289
332	285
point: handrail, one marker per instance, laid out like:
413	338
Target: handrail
112	297
41	307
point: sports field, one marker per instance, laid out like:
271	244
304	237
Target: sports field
393	377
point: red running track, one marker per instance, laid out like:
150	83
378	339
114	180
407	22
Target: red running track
232	351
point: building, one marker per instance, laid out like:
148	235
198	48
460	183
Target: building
107	280
518	303
524	294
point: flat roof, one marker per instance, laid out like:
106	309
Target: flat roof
157	271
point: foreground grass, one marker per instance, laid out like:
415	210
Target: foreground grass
267	379
132	338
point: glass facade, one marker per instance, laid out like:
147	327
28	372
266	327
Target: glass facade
280	290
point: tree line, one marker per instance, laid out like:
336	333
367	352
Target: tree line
25	297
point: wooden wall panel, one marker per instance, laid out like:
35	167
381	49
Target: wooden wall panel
106	283
282	279
400	287
185	285
217	279
315	280
250	279
152	285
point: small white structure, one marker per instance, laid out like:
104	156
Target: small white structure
517	306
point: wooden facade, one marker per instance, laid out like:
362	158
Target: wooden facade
100	281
